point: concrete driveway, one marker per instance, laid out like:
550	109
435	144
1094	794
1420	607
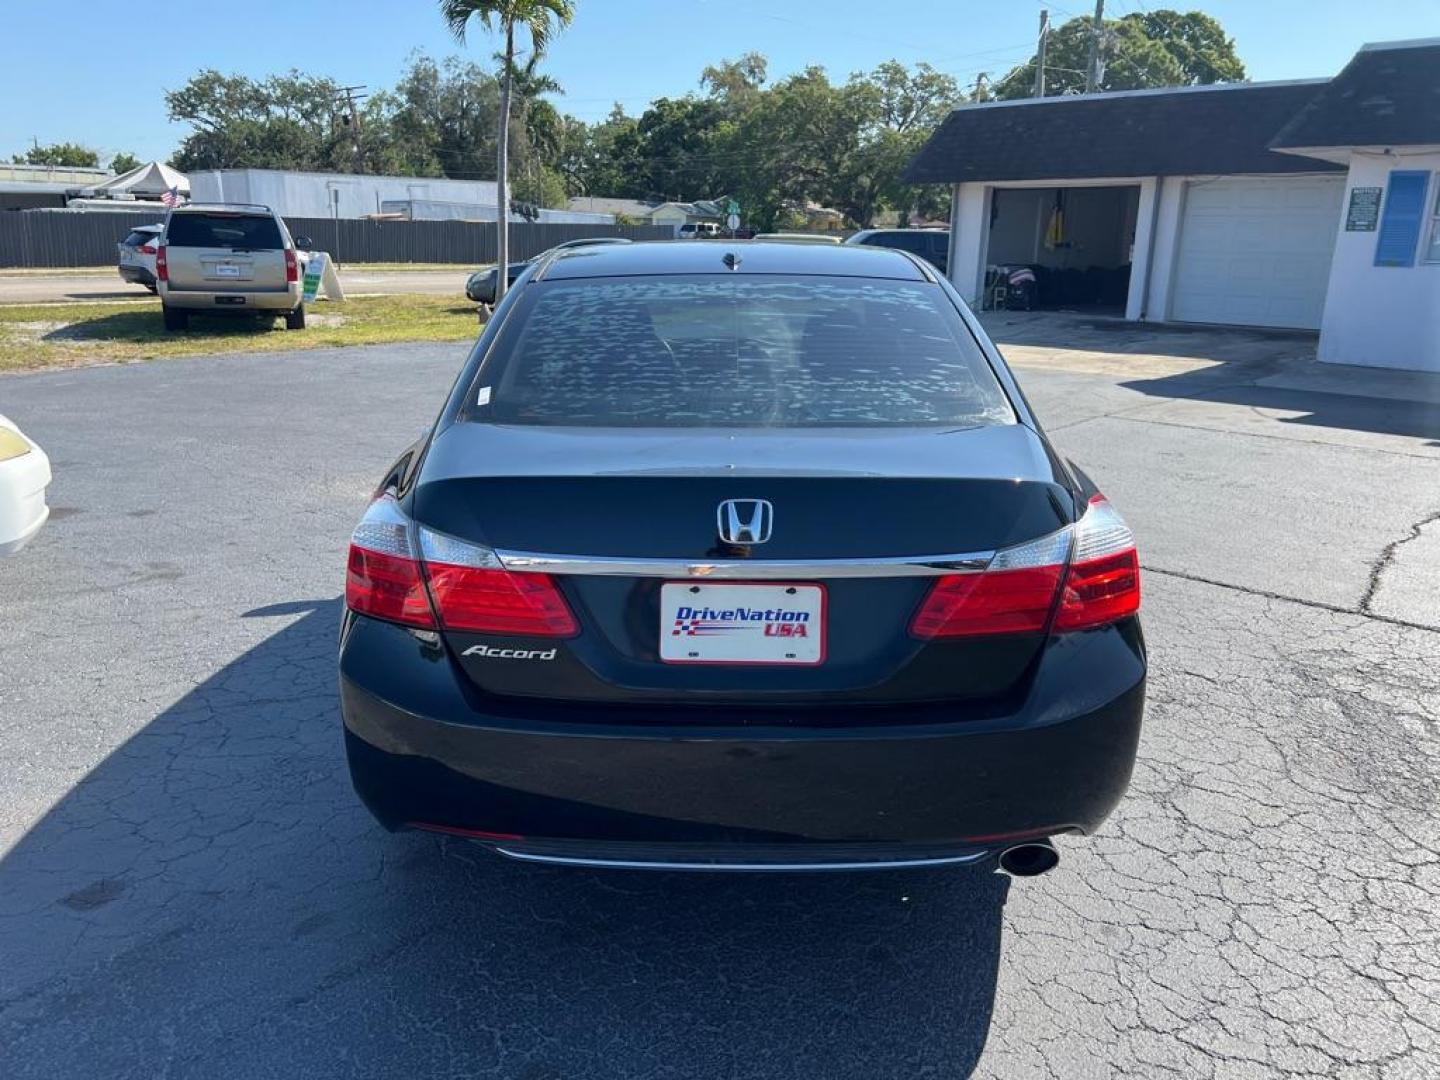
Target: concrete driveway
188	888
38	288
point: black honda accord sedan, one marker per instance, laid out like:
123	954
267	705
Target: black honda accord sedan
741	556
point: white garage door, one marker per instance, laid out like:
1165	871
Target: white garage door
1256	252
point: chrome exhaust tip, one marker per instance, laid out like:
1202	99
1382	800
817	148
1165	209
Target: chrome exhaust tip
1029	859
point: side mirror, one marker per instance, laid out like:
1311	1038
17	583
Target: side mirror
303	243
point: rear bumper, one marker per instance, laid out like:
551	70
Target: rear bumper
232	301
137	275
425	748
23	481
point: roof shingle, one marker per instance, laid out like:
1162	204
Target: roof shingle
1172	132
1388	95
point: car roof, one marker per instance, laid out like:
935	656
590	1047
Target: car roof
665	257
880	232
238	209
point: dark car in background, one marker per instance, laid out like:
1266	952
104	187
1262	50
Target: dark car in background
735	555
932	245
480	286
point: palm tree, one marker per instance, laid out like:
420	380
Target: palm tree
505	15
528	84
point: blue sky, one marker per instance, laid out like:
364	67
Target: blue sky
96	74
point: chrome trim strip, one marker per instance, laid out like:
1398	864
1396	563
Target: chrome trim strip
747	569
628	864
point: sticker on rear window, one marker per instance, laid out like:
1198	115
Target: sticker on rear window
483	397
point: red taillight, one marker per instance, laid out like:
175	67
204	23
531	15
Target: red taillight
292	265
383	579
387	587
473	591
397	570
162	267
1016	593
1004	602
1103	583
1100	591
146	249
499	602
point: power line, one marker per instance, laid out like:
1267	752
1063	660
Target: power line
980	52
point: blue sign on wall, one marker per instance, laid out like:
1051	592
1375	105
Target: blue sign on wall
1403	219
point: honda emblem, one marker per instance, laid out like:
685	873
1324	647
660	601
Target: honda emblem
745	521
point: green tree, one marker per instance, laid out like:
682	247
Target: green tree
68	154
123	162
736	82
900	107
912	100
535	130
1197	41
572	143
610	162
806	140
676	143
539	18
542	186
1138	51
440	120
797	144
289	121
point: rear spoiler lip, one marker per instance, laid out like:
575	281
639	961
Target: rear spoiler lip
478	449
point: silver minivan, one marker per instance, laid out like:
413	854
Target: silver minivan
229	259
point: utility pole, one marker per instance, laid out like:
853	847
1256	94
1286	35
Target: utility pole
1092	69
357	126
1040	53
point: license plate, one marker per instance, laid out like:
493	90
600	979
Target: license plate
742	624
227	270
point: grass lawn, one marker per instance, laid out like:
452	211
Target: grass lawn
69	335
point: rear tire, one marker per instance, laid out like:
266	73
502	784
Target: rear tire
295	320
175	318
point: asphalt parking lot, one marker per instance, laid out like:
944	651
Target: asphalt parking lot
188	888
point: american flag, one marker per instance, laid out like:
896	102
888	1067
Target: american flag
171	198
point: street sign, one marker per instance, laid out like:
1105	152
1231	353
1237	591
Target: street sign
731	206
732	222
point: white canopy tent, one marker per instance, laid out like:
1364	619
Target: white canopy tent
150	180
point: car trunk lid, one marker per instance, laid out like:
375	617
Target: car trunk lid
846	550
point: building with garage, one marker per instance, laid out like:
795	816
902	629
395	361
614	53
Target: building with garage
1312	204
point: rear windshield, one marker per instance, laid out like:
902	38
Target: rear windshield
136	239
731	351
253	231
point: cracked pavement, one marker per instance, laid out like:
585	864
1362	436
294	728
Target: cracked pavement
188	887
